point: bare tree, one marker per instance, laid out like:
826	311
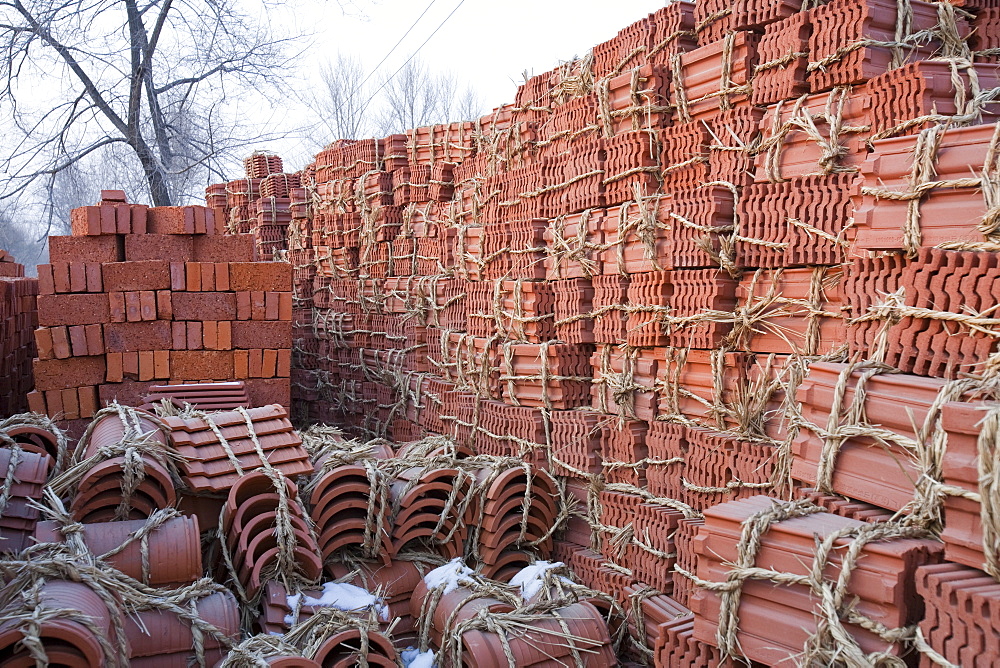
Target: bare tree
153	82
468	106
349	106
18	237
413	97
340	103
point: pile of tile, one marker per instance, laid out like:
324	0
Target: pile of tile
649	270
142	296
151	547
219	448
106	489
736	267
18	319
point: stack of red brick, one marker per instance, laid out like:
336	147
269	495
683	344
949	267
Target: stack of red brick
18	319
139	296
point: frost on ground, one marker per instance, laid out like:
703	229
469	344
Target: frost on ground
414	658
531	578
452	575
339	595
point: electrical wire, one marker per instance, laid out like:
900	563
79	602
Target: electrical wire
412	56
396	45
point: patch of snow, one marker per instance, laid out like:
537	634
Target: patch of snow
342	596
531	578
414	658
452	575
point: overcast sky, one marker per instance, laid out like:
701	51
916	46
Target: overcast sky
485	43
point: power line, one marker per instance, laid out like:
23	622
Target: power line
412	56
351	93
396	45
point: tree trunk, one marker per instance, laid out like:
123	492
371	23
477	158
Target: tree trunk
154	174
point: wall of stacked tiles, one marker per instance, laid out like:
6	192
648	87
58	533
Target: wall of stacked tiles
18	319
742	254
143	296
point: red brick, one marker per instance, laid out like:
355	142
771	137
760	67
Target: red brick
116	300
256	363
123	218
78	340
170	247
36	402
207	276
270	363
164	305
71	404
147	304
46	283
266	276
130	365
204	305
194	334
241	364
265	334
95	282
225	248
178	276
85	221
82	309
60	274
128	392
95	339
243	308
77	277
141	275
146	365
284	363
170	220
211	220
116	371
109	225
133	312
266	391
140	215
271	310
43	343
88	401
60	343
210	334
179	330
225	335
284	306
72	372
130	336
53	402
192	273
201	365
161	360
84	249
258	305
200	226
222	276
113	196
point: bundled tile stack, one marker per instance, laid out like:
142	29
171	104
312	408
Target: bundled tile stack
18	319
744	249
218	449
93	605
139	296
